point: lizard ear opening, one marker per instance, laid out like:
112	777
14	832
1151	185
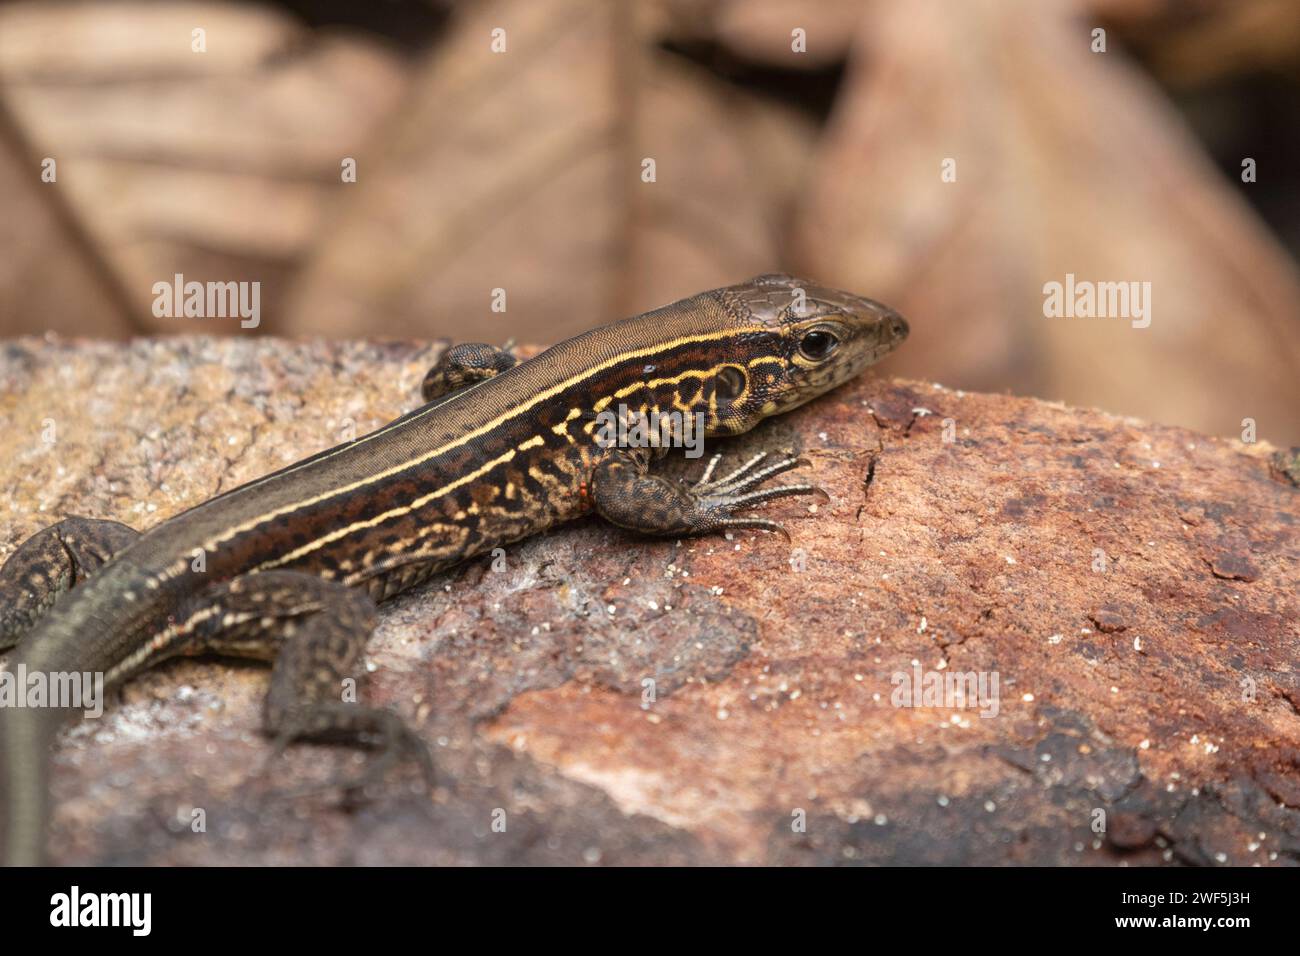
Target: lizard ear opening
730	381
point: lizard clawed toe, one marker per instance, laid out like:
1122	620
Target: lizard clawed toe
757	524
740	489
743	478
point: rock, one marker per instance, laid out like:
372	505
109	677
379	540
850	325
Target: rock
1109	619
1059	595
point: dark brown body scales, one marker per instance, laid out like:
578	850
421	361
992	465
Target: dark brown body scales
288	568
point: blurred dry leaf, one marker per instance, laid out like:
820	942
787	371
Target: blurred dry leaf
49	279
761	30
522	171
1195	43
1067	162
215	165
114	41
1137	11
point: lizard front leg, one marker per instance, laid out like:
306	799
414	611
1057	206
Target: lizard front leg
625	493
463	365
314	630
52	561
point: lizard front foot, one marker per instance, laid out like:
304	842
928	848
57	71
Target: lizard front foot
625	494
740	489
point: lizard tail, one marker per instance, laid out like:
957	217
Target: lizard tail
25	737
56	657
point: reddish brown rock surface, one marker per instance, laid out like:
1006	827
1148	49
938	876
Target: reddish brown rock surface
1132	587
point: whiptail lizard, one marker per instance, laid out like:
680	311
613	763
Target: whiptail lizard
294	563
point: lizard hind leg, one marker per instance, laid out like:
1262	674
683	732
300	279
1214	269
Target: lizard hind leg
462	365
315	631
52	561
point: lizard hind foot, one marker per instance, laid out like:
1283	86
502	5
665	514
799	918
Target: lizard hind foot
461	366
52	561
380	730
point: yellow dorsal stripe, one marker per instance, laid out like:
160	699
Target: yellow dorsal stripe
522	408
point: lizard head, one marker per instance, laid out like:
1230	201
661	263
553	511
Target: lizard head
814	339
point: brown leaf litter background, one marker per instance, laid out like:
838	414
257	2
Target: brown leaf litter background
522	171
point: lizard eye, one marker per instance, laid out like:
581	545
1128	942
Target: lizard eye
730	382
817	344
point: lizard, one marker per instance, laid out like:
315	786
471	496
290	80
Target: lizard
295	563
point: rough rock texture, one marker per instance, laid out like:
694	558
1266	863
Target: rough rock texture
1132	588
